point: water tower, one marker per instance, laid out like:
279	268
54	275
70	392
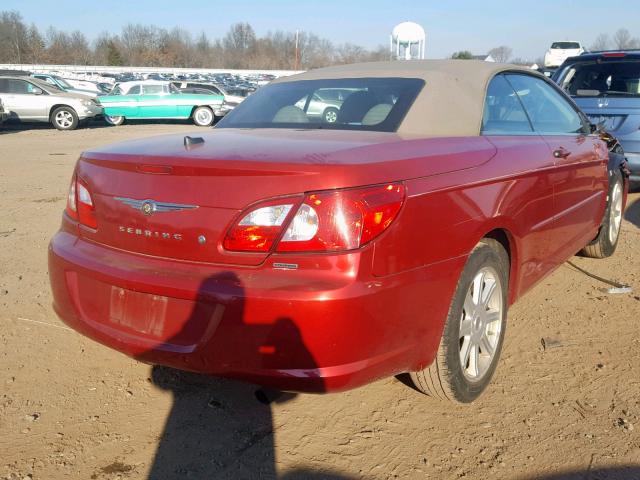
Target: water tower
407	41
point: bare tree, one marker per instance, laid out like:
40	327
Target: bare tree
601	42
148	45
623	40
501	54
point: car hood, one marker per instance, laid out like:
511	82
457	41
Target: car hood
70	94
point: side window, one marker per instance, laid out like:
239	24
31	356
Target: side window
154	89
135	90
549	111
503	111
4	85
19	86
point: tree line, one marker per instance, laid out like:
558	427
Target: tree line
149	45
620	40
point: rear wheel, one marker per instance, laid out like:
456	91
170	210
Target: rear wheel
114	120
330	115
64	118
607	240
203	116
474	330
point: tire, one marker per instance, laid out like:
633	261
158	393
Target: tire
330	115
203	116
115	120
606	242
64	118
464	364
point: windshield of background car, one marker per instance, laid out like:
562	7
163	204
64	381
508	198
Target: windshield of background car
64	83
606	79
565	45
376	104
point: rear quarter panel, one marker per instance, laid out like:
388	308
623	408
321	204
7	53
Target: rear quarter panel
446	215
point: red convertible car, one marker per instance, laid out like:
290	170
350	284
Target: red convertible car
313	256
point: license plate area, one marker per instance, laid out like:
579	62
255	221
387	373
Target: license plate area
141	312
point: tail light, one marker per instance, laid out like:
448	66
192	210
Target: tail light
80	204
336	220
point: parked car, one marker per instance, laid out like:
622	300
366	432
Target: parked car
4	114
32	100
318	257
63	85
230	101
606	86
560	51
324	105
151	99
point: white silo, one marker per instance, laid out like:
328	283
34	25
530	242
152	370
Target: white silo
405	36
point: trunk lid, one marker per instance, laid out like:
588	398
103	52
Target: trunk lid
158	197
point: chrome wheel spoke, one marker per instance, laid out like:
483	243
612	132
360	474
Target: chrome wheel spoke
486	346
488	291
473	360
465	351
492	316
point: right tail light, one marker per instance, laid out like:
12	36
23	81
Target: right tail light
329	221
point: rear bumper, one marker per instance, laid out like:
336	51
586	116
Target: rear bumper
333	328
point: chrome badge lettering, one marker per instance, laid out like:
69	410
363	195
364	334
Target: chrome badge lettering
150	233
149	207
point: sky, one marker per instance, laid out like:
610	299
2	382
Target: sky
451	25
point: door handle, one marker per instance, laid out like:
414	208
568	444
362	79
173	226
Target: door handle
561	153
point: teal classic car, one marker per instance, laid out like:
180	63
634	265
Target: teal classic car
157	100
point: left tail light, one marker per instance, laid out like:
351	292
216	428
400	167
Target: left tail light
331	221
80	205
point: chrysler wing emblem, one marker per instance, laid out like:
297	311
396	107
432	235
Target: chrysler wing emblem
149	207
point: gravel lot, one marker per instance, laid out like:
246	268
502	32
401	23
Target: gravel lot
565	407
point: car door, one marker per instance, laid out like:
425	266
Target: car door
24	99
522	162
156	102
580	176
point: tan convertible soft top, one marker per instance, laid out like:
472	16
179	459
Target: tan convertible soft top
451	102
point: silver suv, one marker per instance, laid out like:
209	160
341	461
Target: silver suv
32	100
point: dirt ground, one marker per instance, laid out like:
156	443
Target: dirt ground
70	408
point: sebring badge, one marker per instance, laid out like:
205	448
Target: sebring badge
149	207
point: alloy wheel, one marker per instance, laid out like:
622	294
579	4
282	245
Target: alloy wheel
481	324
64	119
615	213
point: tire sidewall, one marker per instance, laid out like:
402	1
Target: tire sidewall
485	254
74	115
195	117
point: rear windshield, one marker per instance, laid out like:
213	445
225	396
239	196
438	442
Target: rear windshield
565	45
604	79
377	104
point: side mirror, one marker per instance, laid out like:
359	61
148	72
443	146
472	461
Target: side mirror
37	91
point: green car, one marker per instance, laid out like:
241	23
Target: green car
157	100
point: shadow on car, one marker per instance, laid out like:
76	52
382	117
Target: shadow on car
218	428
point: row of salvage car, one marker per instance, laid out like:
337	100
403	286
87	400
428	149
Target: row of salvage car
46	98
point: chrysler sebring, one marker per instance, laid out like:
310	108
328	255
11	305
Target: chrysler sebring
311	255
